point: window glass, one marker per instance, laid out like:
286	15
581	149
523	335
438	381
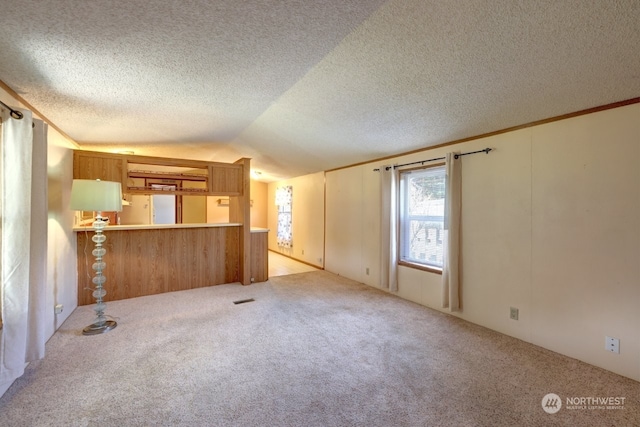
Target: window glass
422	216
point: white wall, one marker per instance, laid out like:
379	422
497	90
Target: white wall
62	276
217	213
550	226
259	194
307	221
139	211
220	213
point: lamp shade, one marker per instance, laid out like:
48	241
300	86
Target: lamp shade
96	195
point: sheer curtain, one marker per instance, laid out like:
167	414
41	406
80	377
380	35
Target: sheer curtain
284	201
451	240
389	227
24	244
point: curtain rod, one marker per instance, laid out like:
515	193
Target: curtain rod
14	113
422	162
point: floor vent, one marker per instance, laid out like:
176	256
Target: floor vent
242	301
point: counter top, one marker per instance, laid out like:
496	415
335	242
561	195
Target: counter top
259	230
157	226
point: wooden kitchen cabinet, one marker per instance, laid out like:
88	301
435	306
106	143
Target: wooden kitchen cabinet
140	174
103	166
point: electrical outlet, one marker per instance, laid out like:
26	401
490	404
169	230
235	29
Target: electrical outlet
303	252
514	313
612	344
367	271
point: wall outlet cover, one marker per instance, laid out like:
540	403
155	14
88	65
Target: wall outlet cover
612	344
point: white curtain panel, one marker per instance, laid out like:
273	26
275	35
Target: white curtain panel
451	240
24	243
389	227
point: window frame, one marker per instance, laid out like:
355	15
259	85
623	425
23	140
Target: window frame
403	222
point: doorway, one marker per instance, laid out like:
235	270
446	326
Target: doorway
164	205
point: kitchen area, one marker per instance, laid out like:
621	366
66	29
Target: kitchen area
184	224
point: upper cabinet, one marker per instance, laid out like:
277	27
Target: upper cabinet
103	166
153	175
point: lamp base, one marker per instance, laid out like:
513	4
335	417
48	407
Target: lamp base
99	329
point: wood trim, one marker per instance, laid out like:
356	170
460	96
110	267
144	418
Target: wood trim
21	100
298	260
324	234
501	131
176	176
168	161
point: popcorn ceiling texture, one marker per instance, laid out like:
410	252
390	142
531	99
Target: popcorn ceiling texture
307	86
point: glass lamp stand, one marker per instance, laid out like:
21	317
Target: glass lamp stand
101	324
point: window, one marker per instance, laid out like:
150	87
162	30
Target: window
422	216
284	203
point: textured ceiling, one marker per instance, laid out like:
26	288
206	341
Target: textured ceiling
302	87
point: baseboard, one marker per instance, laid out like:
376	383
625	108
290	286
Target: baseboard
297	260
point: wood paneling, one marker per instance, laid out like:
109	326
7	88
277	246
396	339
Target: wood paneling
221	179
259	257
104	166
153	261
240	212
226	180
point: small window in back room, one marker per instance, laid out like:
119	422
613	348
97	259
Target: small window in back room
284	201
422	193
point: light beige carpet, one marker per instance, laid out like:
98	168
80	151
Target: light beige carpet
313	349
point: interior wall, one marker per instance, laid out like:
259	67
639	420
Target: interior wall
259	191
344	234
138	211
219	212
549	227
62	270
307	218
194	208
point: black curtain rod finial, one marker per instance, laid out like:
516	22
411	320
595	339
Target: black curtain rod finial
14	113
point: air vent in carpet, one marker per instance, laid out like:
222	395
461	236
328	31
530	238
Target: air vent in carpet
242	301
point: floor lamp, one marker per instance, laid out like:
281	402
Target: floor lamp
97	196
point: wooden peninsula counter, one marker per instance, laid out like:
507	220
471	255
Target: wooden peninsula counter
152	259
